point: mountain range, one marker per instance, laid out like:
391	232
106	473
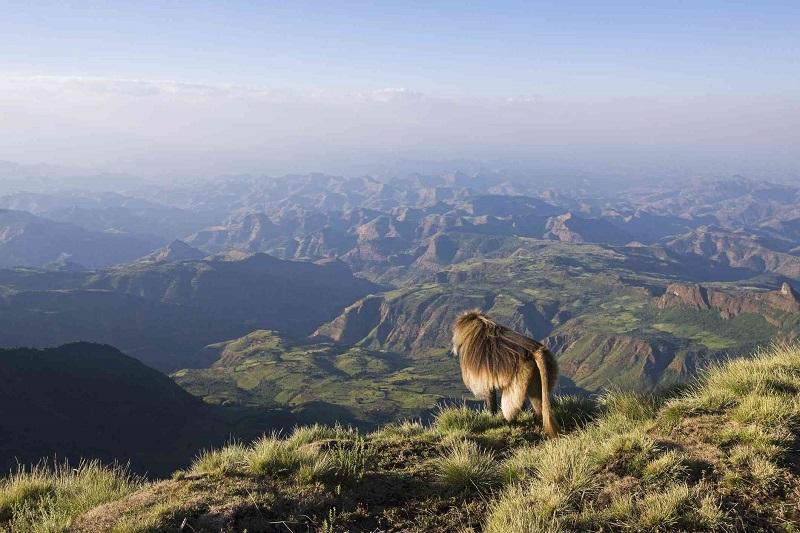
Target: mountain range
326	298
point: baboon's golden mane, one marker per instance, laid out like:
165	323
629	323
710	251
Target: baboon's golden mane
490	350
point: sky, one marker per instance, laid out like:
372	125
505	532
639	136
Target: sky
203	88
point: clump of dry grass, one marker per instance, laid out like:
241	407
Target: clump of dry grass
43	499
466	466
317	432
272	455
220	461
670	466
630	405
463	420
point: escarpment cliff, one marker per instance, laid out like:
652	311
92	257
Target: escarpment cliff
730	305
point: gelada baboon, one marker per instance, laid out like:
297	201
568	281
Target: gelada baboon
494	357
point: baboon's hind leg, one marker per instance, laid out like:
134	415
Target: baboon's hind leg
536	403
491	401
512	401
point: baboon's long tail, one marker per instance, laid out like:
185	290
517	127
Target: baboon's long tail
550	425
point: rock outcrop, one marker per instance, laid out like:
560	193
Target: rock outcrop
699	297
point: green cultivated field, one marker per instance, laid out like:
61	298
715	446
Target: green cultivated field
321	382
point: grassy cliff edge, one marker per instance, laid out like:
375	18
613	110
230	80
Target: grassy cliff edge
721	454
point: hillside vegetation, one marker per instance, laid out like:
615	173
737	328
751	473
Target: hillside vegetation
719	455
322	381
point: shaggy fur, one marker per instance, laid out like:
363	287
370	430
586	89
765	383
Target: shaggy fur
494	357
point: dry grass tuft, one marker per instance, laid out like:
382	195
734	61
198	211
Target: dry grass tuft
44	500
466	466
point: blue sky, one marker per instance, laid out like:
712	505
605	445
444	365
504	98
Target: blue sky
484	48
709	57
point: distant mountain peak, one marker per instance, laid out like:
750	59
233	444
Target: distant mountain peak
177	250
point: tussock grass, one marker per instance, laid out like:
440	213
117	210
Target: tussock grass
661	510
569	465
350	460
343	460
630	451
768	443
466	466
671	507
629	405
520	465
768	410
552	479
462	420
346	463
771	376
220	461
319	470
670	466
754	464
272	455
309	434
573	412
674	411
47	500
527	507
708	513
556	485
763	471
573	461
400	431
23	486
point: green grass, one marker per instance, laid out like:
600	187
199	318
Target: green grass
671	466
218	462
274	456
348	461
317	432
310	454
523	508
401	431
465	466
463	420
629	405
47	500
